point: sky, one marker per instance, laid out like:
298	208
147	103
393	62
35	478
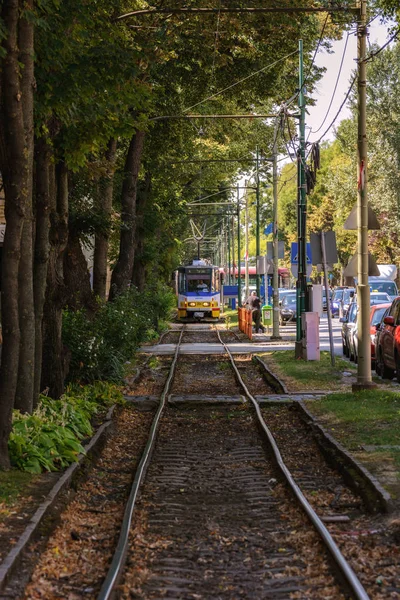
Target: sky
378	33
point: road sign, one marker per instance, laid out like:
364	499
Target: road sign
294	259
294	254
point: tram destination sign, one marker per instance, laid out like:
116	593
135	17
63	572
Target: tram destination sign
198	271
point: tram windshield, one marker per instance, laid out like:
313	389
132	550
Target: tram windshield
196	284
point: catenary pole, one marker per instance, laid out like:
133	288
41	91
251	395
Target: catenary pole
258	251
238	254
364	378
301	284
275	276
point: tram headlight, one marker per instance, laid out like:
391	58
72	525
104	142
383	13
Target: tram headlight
192	303
206	304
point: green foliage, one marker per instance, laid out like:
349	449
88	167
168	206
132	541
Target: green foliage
100	346
49	439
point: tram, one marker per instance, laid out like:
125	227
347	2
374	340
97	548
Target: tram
198	289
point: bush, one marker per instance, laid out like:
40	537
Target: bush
49	439
100	346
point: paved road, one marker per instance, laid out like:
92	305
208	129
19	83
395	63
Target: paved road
261	342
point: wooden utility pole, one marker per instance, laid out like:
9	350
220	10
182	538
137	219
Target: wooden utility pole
364	378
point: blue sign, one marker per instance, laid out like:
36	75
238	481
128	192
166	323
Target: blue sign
294	253
269	229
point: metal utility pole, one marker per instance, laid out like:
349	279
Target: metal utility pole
238	231
275	276
228	229
232	226
301	285
364	379
246	243
257	220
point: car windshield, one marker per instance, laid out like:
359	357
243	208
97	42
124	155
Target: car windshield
377	316
337	295
289	301
346	296
379	298
389	287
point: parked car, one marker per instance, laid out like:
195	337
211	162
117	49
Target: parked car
388	346
287	311
386	286
336	300
347	298
348	324
283	292
375	317
379	298
330	293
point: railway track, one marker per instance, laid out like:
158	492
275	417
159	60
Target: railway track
213	511
214	523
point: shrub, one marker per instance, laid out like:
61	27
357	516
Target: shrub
49	439
100	346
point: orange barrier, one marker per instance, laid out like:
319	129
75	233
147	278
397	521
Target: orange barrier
245	318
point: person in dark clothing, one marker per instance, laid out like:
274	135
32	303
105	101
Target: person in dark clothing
254	304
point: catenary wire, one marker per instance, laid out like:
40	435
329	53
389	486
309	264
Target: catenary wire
340	109
241	81
335	88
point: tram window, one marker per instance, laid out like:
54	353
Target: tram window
198	285
181	283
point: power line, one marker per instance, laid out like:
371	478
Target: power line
373	54
240	81
335	88
340	109
251	10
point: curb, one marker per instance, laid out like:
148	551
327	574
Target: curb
277	385
357	477
12	559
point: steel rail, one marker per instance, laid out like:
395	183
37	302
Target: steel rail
346	570
119	557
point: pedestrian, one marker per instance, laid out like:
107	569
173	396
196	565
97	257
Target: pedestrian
254	304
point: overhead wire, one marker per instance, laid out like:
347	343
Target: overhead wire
335	88
340	108
240	81
297	93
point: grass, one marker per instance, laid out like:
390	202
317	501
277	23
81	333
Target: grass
301	375
367	418
231	317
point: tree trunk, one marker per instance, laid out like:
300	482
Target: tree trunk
101	239
42	246
53	368
77	276
139	265
14	169
122	274
26	367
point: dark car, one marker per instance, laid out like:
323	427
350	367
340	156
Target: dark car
336	301
348	324
287	311
376	315
388	348
347	299
330	293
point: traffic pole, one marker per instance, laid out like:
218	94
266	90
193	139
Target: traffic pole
364	377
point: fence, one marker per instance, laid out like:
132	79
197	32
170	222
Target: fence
245	322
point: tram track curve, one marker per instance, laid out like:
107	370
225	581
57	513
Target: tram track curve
118	561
